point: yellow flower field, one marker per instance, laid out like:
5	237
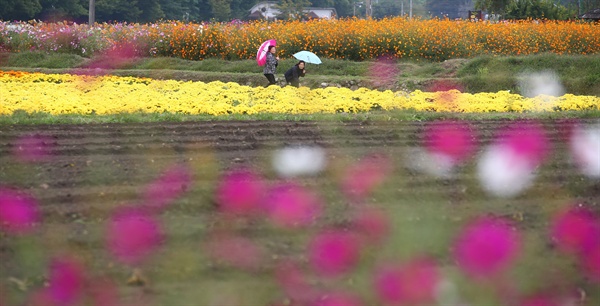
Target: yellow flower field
103	95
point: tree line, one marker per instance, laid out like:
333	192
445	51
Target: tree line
143	11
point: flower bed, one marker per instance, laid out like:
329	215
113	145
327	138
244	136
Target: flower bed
354	39
103	95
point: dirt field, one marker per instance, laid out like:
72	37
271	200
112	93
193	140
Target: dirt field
92	169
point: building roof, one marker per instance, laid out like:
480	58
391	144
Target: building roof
593	14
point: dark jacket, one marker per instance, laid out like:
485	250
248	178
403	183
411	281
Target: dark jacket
271	64
293	74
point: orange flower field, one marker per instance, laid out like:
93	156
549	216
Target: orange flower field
353	39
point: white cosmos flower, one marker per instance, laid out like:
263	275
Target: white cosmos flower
585	150
299	160
504	173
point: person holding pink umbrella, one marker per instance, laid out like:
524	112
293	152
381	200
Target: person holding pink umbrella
271	65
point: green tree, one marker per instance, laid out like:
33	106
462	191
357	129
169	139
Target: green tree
56	10
221	9
536	9
386	8
117	10
204	10
292	9
241	8
174	9
19	9
492	6
150	10
344	8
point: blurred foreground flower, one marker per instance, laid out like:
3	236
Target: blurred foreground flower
67	281
32	148
170	185
412	283
334	252
506	167
486	247
298	161
447	145
19	212
132	235
240	193
367	174
585	150
290	205
541	83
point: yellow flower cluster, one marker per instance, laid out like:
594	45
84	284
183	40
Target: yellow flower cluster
74	94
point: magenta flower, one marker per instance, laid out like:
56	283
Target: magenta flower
339	299
289	205
384	72
486	247
132	235
169	186
334	252
236	251
363	177
67	280
413	283
526	140
240	192
19	213
451	139
573	228
446	91
373	224
32	148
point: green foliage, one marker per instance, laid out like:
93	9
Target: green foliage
19	9
117	10
385	8
292	9
537	9
221	9
58	10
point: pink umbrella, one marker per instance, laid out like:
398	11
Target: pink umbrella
261	55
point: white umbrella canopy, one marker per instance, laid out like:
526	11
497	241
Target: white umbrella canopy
308	57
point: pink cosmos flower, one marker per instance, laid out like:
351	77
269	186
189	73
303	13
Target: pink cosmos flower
240	192
237	251
451	139
486	247
169	186
447	91
363	177
67	281
32	148
527	139
573	228
289	205
132	235
506	167
334	252
384	72
413	283
19	213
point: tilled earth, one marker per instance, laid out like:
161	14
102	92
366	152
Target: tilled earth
93	168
